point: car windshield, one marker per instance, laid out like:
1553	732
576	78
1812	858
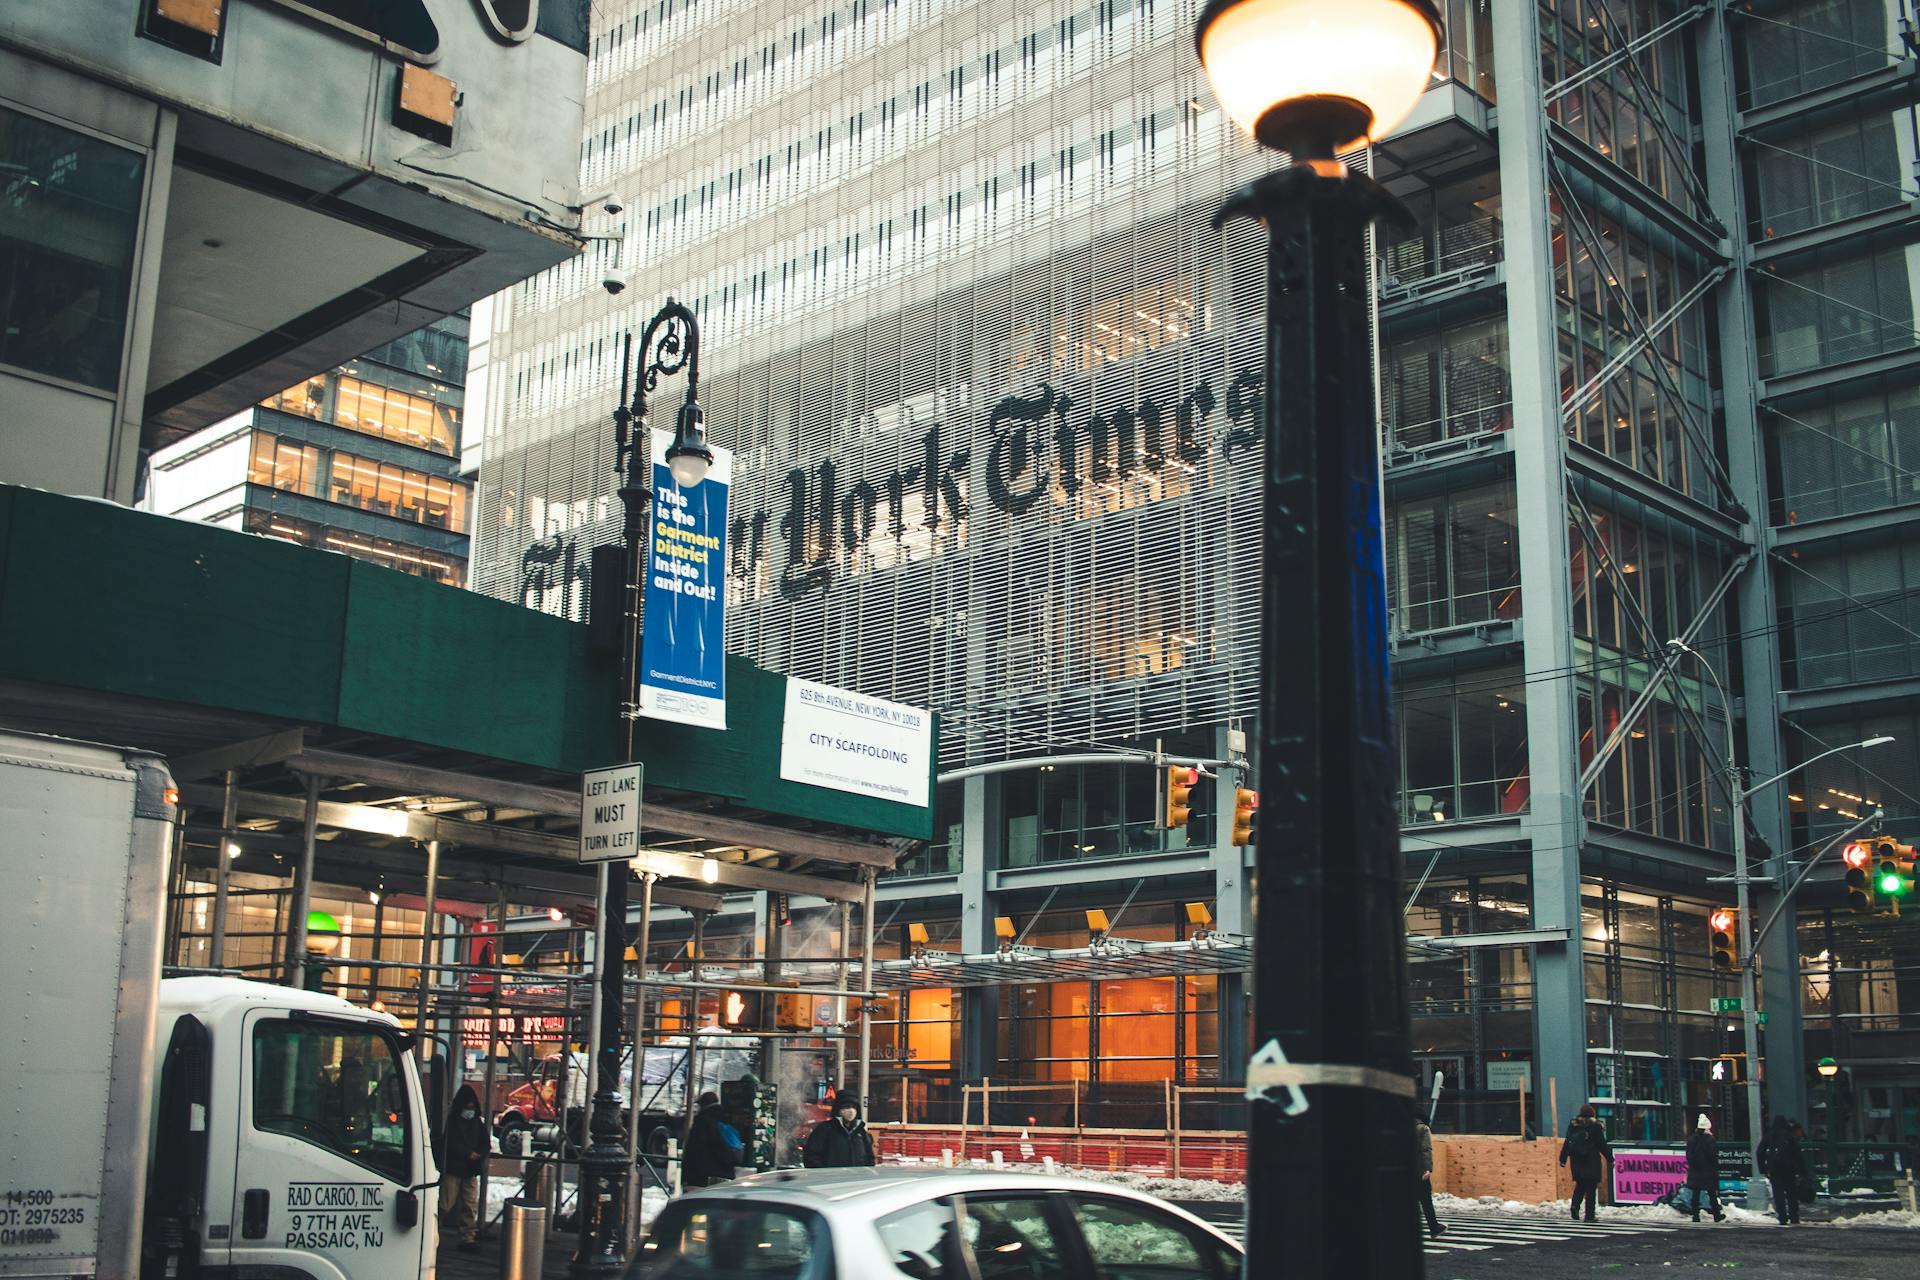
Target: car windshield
721	1240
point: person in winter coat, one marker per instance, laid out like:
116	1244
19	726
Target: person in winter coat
1703	1168
1786	1167
714	1147
1584	1152
464	1147
841	1141
1424	1136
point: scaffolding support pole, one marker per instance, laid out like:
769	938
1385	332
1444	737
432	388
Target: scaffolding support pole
634	1189
302	885
423	1034
177	889
693	1030
584	1216
493	1042
866	991
379	934
229	813
840	1002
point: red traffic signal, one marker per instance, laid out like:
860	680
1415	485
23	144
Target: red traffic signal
1177	808
1245	801
1858	858
1720	938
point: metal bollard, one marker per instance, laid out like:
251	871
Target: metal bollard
537	1183
523	1240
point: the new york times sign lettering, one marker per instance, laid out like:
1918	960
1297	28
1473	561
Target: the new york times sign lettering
1029	444
1034	443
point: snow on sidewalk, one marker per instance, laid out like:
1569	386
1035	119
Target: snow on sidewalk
1167	1188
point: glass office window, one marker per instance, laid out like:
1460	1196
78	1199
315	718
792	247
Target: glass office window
306	399
69	216
1463	748
1845	454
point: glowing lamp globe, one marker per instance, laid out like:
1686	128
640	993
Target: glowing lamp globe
688	457
1311	77
1828	1067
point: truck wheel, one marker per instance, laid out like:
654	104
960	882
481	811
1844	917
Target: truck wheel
513	1140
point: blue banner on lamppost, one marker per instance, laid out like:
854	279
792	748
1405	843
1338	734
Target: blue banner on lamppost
683	674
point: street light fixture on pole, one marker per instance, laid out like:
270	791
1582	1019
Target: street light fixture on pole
1330	1153
670	344
1740	793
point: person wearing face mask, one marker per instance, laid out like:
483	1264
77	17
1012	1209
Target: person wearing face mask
842	1140
464	1145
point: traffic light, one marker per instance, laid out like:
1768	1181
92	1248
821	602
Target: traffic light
1726	1068
1245	801
1720	934
1859	863
1893	878
1177	807
743	1010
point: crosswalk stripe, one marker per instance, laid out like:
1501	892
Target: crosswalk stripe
1480	1232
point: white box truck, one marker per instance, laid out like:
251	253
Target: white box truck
165	1129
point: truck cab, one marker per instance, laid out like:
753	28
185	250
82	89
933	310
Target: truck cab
291	1138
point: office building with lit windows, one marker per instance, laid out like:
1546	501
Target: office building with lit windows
363	460
993	380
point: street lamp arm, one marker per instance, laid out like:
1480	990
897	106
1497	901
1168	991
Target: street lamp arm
671	343
1758	787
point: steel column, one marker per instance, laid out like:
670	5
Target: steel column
639	1059
1553	822
1230	914
429	931
302	885
866	985
229	814
982	832
1756	601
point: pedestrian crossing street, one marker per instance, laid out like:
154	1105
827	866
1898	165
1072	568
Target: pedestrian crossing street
1476	1232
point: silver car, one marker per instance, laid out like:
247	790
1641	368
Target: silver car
934	1224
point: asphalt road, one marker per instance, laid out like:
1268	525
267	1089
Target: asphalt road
1480	1245
1778	1253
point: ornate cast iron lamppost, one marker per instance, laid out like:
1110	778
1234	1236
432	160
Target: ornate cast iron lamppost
670	344
1330	1145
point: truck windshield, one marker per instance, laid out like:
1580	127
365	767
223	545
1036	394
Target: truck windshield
336	1087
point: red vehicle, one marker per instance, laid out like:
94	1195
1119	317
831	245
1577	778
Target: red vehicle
536	1102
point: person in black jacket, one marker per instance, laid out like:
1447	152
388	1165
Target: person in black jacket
464	1146
1703	1168
842	1141
1785	1165
1423	1138
1584	1151
714	1147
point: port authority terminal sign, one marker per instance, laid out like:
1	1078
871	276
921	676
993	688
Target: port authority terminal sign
683	663
849	742
610	813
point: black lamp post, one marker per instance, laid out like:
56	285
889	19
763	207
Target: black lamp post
671	343
1331	1174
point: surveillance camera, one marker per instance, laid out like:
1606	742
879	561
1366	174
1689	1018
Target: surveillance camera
614	281
613	206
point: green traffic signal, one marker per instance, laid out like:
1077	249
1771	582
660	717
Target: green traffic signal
1892	885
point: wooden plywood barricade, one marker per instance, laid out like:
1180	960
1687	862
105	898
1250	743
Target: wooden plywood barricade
1475	1165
